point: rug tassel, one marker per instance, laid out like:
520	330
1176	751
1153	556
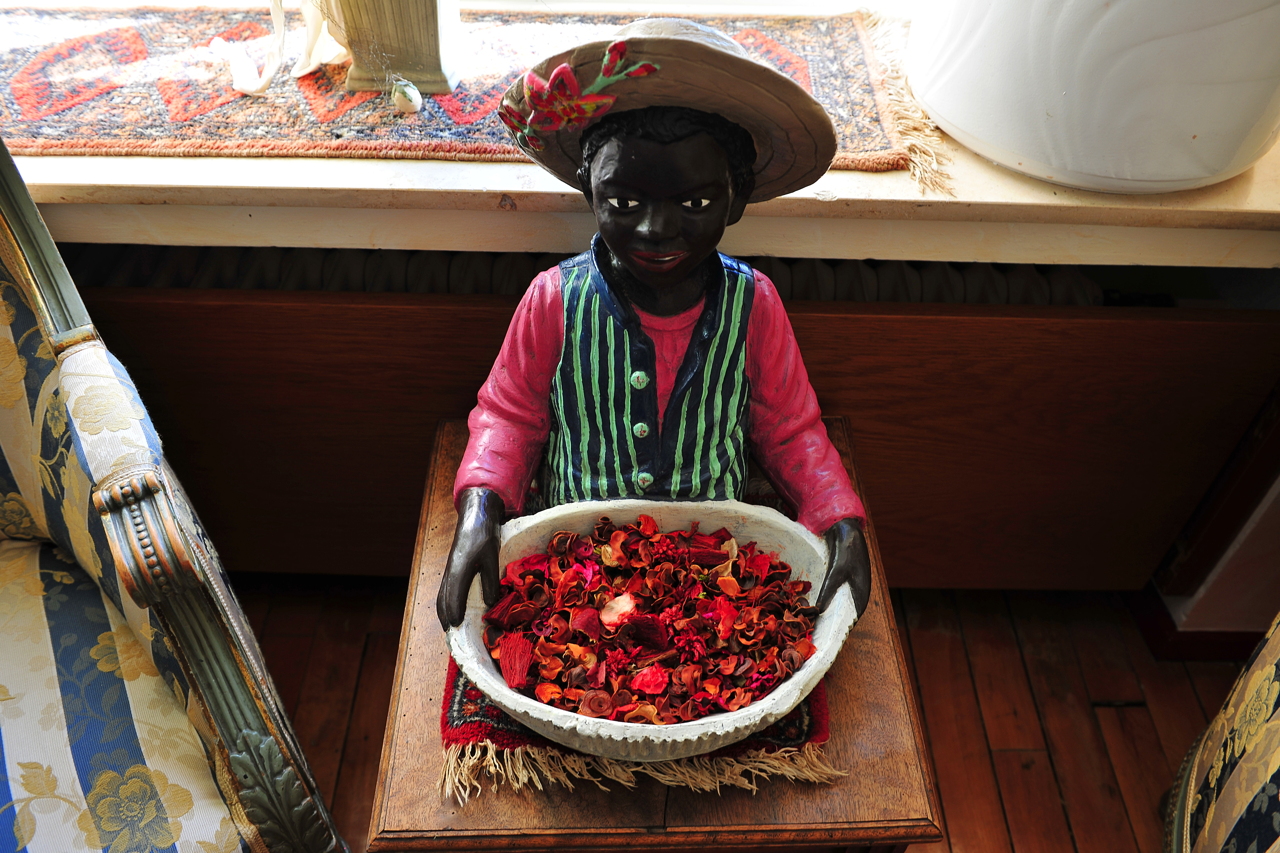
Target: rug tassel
919	135
460	779
460	776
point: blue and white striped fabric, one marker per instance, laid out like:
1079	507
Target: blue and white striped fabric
98	752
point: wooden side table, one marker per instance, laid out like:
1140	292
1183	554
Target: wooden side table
887	801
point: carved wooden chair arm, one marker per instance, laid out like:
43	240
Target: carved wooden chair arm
165	562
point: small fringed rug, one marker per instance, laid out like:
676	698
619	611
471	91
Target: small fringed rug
481	741
146	82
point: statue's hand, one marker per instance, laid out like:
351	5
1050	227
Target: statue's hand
847	562
475	549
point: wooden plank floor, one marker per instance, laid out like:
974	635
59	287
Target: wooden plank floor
1051	725
330	643
1052	728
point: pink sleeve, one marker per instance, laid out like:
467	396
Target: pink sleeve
512	417
786	430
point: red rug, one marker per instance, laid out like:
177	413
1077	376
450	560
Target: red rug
144	82
481	741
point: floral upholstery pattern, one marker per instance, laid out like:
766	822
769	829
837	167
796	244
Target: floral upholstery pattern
99	736
99	753
1227	797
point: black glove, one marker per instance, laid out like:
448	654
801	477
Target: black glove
847	562
475	549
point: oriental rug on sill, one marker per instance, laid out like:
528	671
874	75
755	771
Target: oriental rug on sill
482	744
145	82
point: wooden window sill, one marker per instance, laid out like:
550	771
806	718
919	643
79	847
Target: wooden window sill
995	215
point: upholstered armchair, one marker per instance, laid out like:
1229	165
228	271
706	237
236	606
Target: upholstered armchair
1227	793
135	710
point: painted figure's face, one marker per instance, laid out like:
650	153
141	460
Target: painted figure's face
662	208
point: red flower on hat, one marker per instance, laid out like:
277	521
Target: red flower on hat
560	103
613	54
519	127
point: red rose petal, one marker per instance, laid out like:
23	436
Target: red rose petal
586	620
645	629
651	680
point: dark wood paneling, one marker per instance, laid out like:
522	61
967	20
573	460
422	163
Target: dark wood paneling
1002	447
1240	485
301	423
1052	448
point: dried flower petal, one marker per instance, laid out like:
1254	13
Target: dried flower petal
586	620
644	713
634	624
645	629
596	703
613	613
729	586
651	680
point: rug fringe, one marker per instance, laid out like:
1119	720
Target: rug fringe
466	766
917	132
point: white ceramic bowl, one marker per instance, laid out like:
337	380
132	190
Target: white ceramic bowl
770	530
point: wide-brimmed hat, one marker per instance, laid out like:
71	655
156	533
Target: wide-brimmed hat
670	62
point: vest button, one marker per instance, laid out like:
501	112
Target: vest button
640	430
639	380
644	480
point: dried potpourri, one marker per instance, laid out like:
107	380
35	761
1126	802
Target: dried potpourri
647	627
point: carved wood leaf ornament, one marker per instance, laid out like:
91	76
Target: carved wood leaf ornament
274	799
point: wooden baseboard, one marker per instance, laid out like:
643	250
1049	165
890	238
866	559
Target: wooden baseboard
1005	447
1168	643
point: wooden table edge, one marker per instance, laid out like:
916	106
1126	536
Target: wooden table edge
834	835
406	627
843	440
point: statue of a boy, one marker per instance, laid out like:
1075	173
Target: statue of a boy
648	365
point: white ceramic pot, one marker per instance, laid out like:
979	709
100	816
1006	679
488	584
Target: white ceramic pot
1116	95
770	530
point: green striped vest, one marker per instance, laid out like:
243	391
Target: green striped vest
604	441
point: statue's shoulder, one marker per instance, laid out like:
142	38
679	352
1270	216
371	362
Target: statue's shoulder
576	272
739	271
